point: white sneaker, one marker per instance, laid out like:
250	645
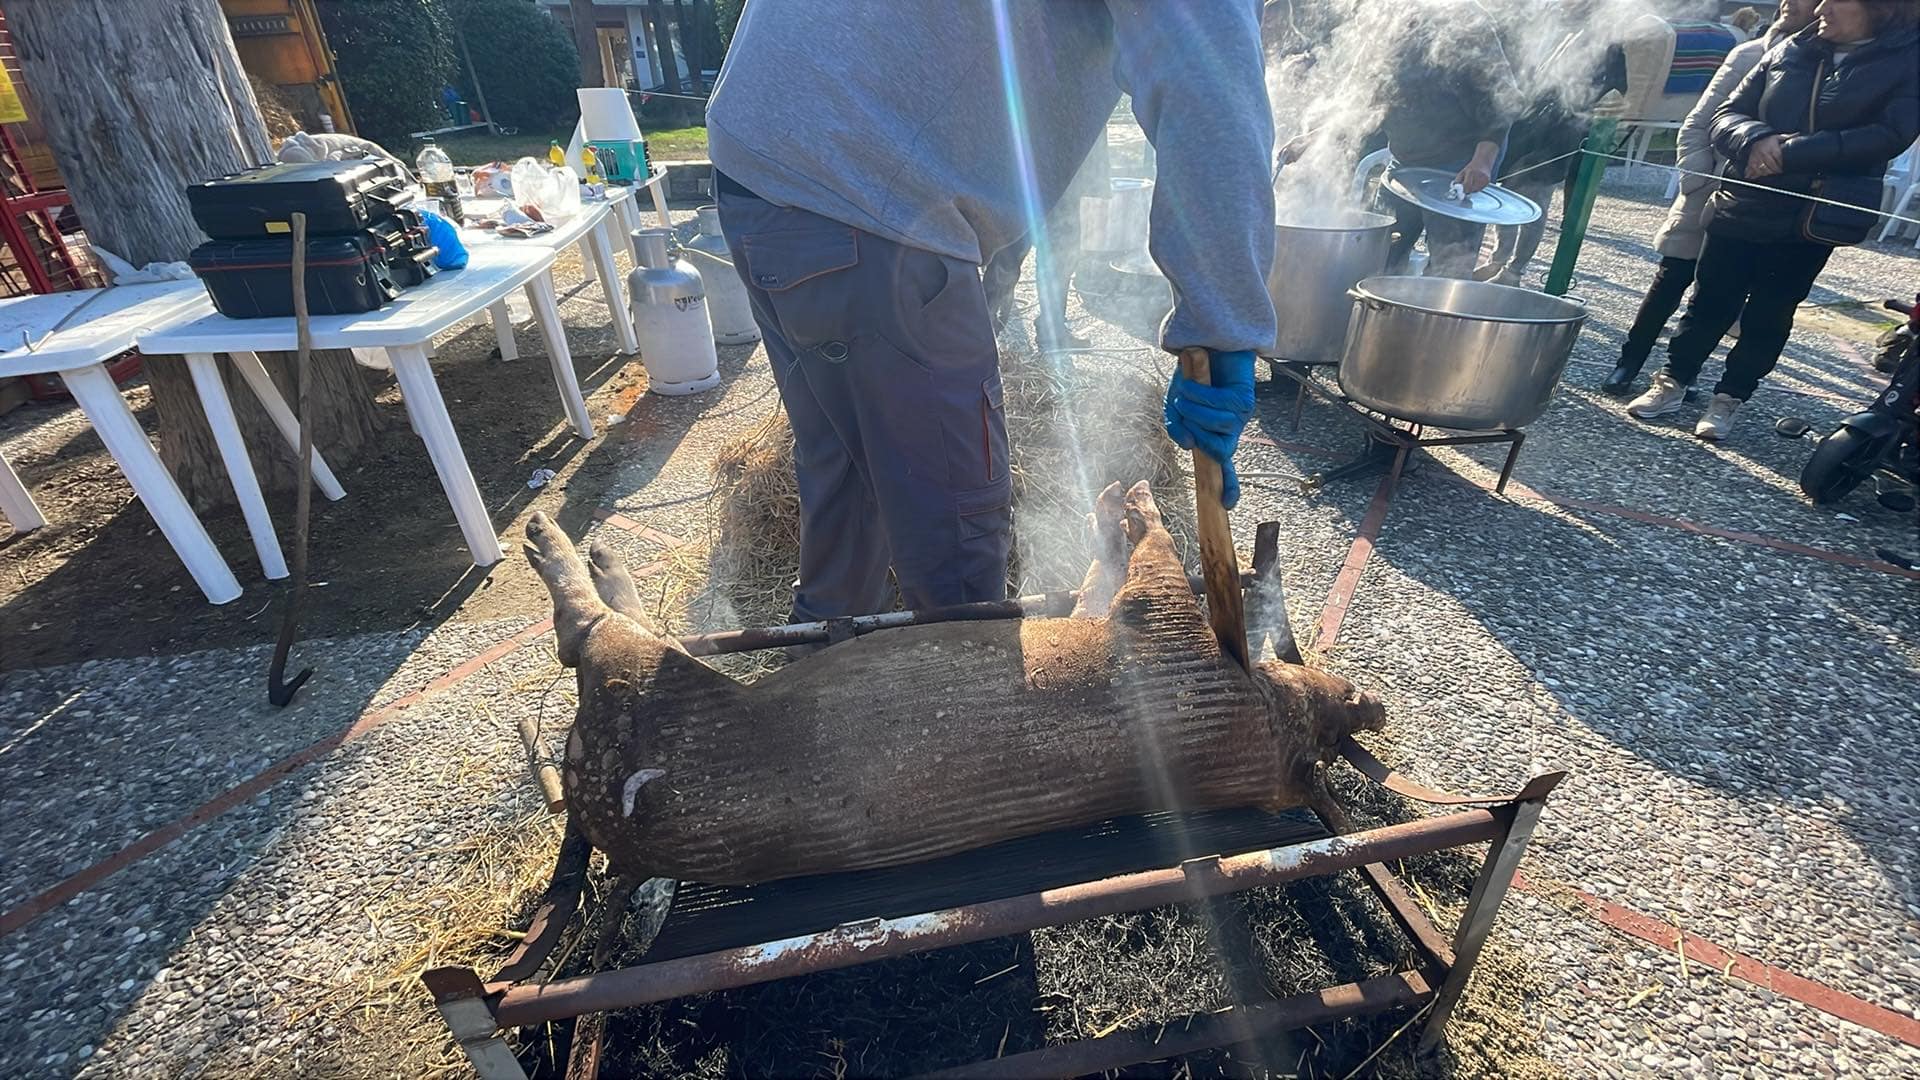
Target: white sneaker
1718	419
1664	397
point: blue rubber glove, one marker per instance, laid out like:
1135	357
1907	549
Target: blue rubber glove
1210	418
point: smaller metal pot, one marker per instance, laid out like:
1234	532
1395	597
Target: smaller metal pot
1314	264
1467	355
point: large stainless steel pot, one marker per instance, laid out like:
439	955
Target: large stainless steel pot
1468	355
1118	222
1314	264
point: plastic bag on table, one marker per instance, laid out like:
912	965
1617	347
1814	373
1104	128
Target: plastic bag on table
563	194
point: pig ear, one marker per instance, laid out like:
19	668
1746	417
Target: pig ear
575	606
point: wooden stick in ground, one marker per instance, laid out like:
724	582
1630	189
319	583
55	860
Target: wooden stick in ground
1219	566
279	691
543	771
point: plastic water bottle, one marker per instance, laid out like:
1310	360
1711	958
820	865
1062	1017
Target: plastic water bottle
436	175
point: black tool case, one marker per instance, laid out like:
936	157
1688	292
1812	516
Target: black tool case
338	197
253	278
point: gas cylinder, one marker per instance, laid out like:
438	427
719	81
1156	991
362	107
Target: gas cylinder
726	294
668	301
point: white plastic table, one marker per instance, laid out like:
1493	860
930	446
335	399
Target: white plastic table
589	229
405	329
78	352
621	216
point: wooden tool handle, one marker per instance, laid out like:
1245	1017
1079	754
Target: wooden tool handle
1226	605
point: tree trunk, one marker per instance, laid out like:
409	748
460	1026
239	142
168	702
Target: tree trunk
663	41
586	40
691	37
139	101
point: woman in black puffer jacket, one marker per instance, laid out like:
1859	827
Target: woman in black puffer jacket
1821	115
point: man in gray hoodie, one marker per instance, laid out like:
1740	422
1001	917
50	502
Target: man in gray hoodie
870	156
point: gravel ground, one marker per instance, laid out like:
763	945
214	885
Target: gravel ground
1770	814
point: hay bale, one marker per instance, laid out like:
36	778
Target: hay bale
281	115
1071	430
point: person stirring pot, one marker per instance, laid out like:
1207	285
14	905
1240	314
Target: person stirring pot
1449	106
1818	118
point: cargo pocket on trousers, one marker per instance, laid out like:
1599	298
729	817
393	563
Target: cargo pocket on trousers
800	270
985	514
987	511
993	430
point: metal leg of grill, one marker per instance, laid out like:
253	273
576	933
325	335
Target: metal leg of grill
1496	876
462	1001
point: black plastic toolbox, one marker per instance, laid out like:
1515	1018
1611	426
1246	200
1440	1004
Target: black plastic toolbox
338	197
253	279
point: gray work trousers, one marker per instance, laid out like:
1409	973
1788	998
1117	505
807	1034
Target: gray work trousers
886	362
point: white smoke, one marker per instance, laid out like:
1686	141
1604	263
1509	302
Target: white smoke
1333	67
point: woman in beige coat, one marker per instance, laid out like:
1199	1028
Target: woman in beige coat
1679	238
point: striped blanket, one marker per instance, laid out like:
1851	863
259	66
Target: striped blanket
1698	49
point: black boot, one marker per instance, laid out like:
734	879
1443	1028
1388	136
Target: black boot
1620	383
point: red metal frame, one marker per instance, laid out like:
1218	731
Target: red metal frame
55	269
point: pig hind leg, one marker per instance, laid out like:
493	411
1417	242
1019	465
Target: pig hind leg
576	607
1156	588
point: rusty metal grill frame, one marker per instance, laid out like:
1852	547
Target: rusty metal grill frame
479	1013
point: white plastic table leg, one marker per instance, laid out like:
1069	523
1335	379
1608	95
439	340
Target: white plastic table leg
107	411
255	373
628	211
16	502
660	202
429	414
600	253
233	451
546	312
613	229
503	330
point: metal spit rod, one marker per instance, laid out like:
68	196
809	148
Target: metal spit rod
1051	605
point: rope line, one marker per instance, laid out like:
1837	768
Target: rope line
1714	177
1762	187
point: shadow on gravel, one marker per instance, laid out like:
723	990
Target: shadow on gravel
87	768
1768	677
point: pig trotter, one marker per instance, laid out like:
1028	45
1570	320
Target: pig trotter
615	585
1111	546
576	607
1142	513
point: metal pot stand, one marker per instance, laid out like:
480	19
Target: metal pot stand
1390	440
718	938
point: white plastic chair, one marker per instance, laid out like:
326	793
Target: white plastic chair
1900	189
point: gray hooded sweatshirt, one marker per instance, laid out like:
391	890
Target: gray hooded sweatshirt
953	126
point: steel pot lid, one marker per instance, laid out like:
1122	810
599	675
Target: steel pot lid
1493	205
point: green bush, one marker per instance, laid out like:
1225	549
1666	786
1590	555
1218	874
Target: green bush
393	57
525	61
726	16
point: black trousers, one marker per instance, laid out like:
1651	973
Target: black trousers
1670	281
1453	246
1770	280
